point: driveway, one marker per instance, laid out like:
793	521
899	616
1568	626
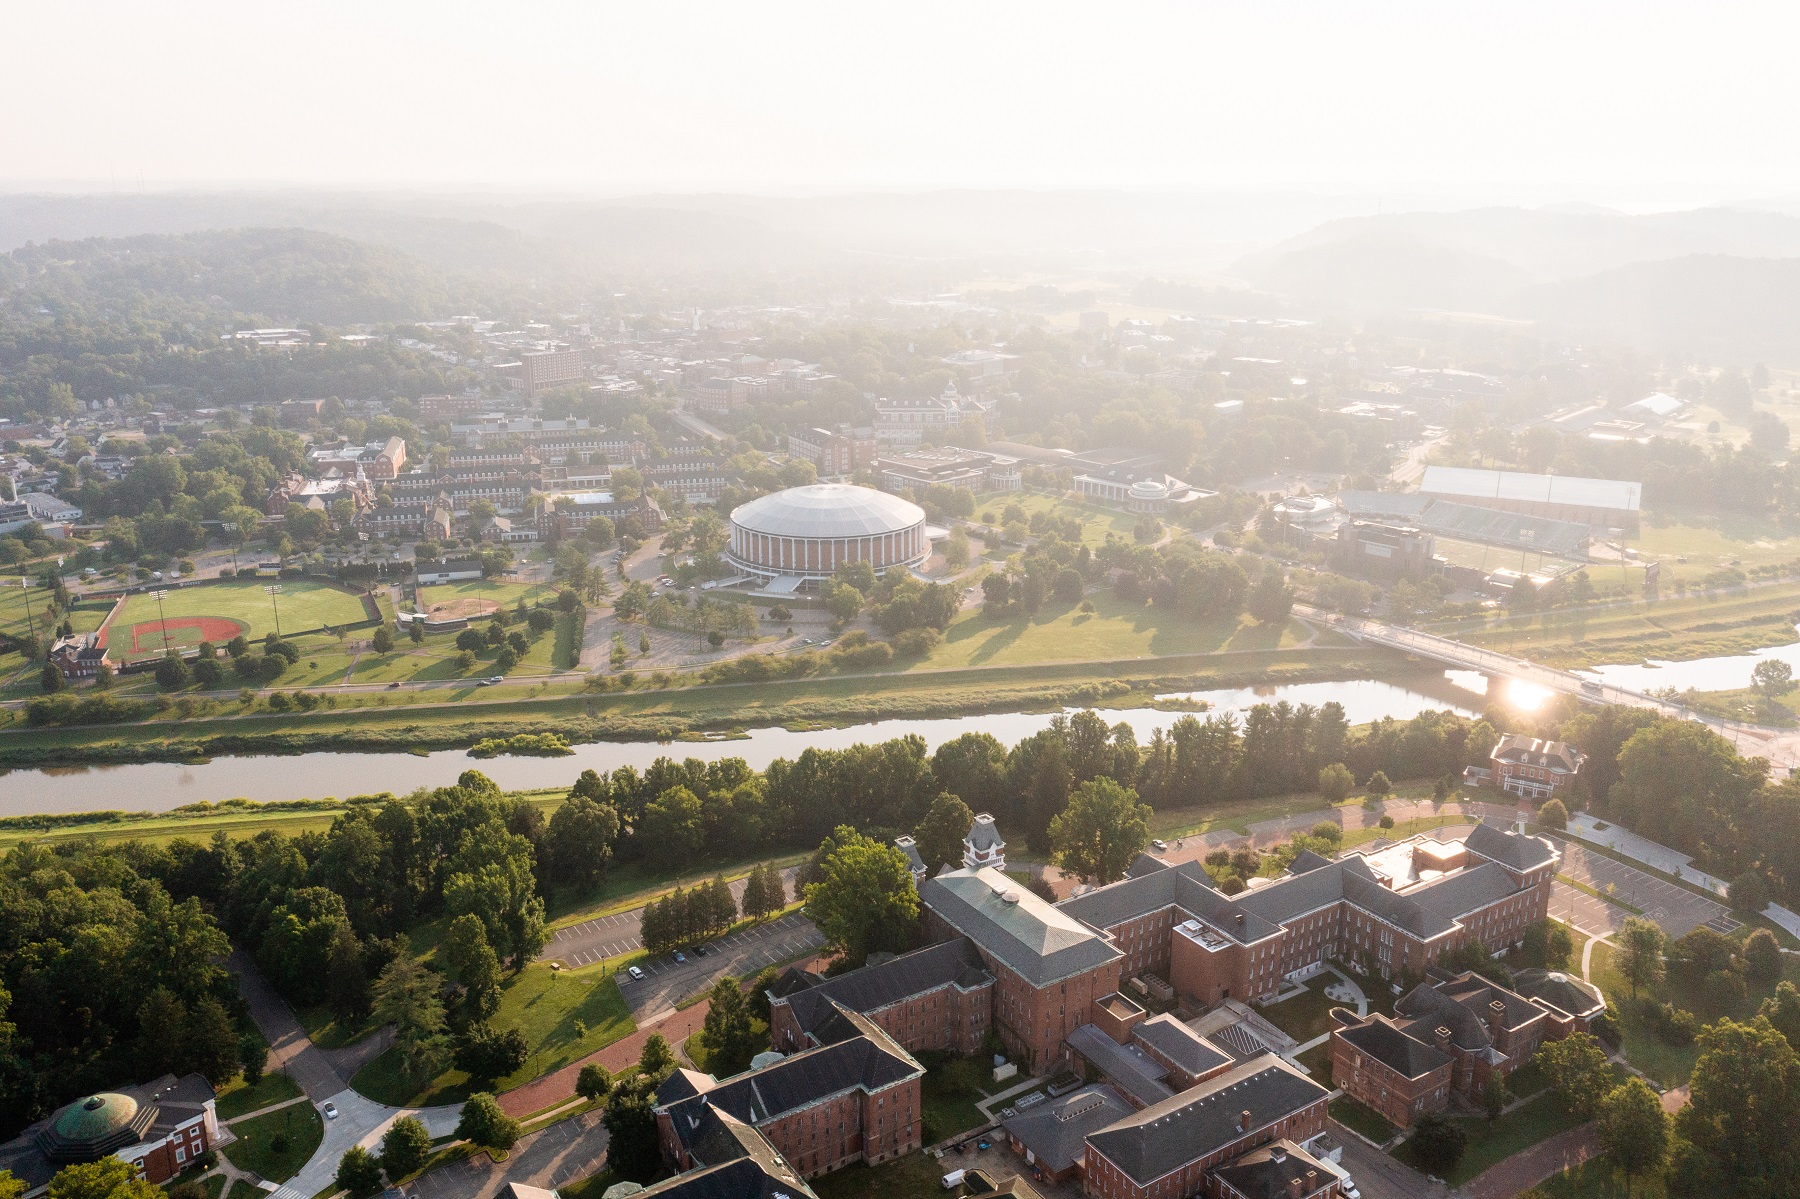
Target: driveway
609	936
1379	1176
745	952
360	1121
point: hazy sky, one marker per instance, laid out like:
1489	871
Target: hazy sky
1621	103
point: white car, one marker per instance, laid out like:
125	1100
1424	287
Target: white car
330	1109
637	975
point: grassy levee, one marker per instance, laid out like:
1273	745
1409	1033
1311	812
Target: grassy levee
693	711
1691	626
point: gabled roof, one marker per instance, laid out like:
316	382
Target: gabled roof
1040	942
868	1059
1180	1044
1280	1170
950	963
1126	1066
1166	1136
1510	849
1056	1132
733	1161
1406	1055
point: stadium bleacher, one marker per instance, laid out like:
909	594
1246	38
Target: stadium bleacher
1465	522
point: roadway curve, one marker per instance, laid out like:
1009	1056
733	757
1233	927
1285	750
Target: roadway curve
1780	746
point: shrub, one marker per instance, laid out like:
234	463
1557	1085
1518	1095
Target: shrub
209	674
171	673
1335	782
1762	956
1437	1144
916	643
540	620
1554	815
280	701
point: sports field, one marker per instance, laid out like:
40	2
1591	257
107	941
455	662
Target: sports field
217	612
473	598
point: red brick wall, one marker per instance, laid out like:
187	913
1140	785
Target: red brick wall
1106	1181
1400	1100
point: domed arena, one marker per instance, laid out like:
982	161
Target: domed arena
805	533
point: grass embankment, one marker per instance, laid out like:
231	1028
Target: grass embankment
1115	629
564	1014
1598	1178
1493	1141
674	713
278	1144
1671	629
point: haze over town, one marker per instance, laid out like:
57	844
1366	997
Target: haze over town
812	600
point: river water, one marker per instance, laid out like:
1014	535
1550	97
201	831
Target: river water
159	786
1727	673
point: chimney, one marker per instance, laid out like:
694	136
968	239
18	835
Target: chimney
1441	1036
1497	1017
1312	1181
1244	1120
1295	1188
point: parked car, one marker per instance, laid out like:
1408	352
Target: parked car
680	958
330	1109
701	951
1159	845
637	975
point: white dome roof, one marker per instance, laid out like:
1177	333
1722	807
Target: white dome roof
828	510
1149	489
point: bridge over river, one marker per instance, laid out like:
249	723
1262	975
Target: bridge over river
1780	746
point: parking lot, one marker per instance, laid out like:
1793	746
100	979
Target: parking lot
565	1152
666	981
609	936
1675	909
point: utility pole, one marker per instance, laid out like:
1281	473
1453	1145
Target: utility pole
161	621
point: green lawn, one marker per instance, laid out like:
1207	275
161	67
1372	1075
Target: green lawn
1115	629
1359	1117
278	1144
950	1090
1096	521
1493	1141
303	604
1304	1016
236	1099
507	595
564	1014
915	1176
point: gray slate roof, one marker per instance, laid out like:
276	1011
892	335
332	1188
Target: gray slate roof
1040	942
1406	1055
1519	852
1056	1131
1180	1044
1168	1135
949	963
1126	1066
1561	991
733	1161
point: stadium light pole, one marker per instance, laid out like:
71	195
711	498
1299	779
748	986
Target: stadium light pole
274	589
30	625
161	622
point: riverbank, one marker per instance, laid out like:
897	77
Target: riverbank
700	712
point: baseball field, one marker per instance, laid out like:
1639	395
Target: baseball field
219	611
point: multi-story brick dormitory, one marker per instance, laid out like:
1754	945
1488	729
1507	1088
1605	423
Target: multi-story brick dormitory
1393	908
1529	767
937	998
1451	1036
853	1097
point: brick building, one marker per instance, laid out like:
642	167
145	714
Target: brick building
1450	1037
547	369
853	1097
1532	768
840	451
160	1127
1050	968
936	998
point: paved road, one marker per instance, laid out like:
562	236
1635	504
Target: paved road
609	936
360	1121
667	983
1379	1176
560	1154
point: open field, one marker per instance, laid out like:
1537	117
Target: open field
1674	628
1115	629
1097	521
472	596
233	605
670	714
564	1014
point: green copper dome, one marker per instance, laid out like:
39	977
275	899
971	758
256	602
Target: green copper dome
93	1127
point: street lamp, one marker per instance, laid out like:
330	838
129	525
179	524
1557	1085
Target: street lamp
274	589
161	622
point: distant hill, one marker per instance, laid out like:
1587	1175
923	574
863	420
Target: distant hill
281	276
